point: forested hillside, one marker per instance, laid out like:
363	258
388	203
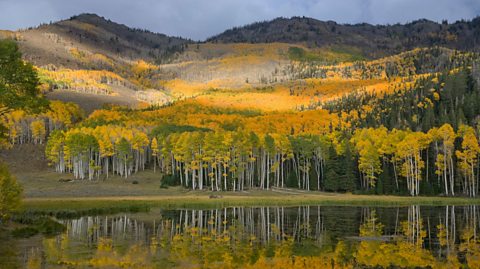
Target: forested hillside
293	103
371	41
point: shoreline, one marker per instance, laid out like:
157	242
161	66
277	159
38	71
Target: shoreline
224	199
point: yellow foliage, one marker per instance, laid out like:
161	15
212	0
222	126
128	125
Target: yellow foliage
38	130
91	58
91	81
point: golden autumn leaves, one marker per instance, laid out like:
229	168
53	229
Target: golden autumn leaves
404	149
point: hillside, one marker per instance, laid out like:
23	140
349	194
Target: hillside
94	61
372	41
95	36
275	65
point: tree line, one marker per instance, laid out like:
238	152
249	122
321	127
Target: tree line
449	97
24	127
372	160
410	63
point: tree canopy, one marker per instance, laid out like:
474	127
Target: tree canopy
18	82
10	193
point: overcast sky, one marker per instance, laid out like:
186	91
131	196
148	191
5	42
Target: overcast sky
199	19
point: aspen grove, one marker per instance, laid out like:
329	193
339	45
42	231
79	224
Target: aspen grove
241	160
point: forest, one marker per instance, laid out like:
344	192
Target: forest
372	160
419	138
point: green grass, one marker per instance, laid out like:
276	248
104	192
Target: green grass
202	200
352	54
301	55
326	55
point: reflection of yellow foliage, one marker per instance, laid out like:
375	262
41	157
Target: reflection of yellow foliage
371	227
401	254
105	256
471	245
299	262
208	247
34	260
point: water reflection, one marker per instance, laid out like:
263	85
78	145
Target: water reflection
267	237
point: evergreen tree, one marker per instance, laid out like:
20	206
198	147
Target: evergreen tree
10	193
348	164
18	81
332	173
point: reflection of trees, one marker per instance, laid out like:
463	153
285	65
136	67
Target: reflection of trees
371	226
90	229
447	230
413	228
470	242
205	237
268	237
398	251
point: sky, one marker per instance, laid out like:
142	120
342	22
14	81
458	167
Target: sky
199	19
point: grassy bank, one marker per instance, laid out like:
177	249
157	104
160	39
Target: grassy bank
46	190
255	198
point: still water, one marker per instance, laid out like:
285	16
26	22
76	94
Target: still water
264	237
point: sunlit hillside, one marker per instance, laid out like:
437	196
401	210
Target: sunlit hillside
87	56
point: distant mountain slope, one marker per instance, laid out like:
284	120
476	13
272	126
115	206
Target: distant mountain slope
65	42
92	61
373	40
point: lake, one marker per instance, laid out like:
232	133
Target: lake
261	237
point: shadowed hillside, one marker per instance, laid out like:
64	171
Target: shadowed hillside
86	35
372	41
101	61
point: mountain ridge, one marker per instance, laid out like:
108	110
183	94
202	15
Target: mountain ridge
96	34
101	35
386	39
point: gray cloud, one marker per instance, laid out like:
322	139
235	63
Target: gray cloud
198	19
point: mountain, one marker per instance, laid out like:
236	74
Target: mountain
91	60
67	40
88	54
372	40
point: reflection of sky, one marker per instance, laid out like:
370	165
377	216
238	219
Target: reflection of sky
200	19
